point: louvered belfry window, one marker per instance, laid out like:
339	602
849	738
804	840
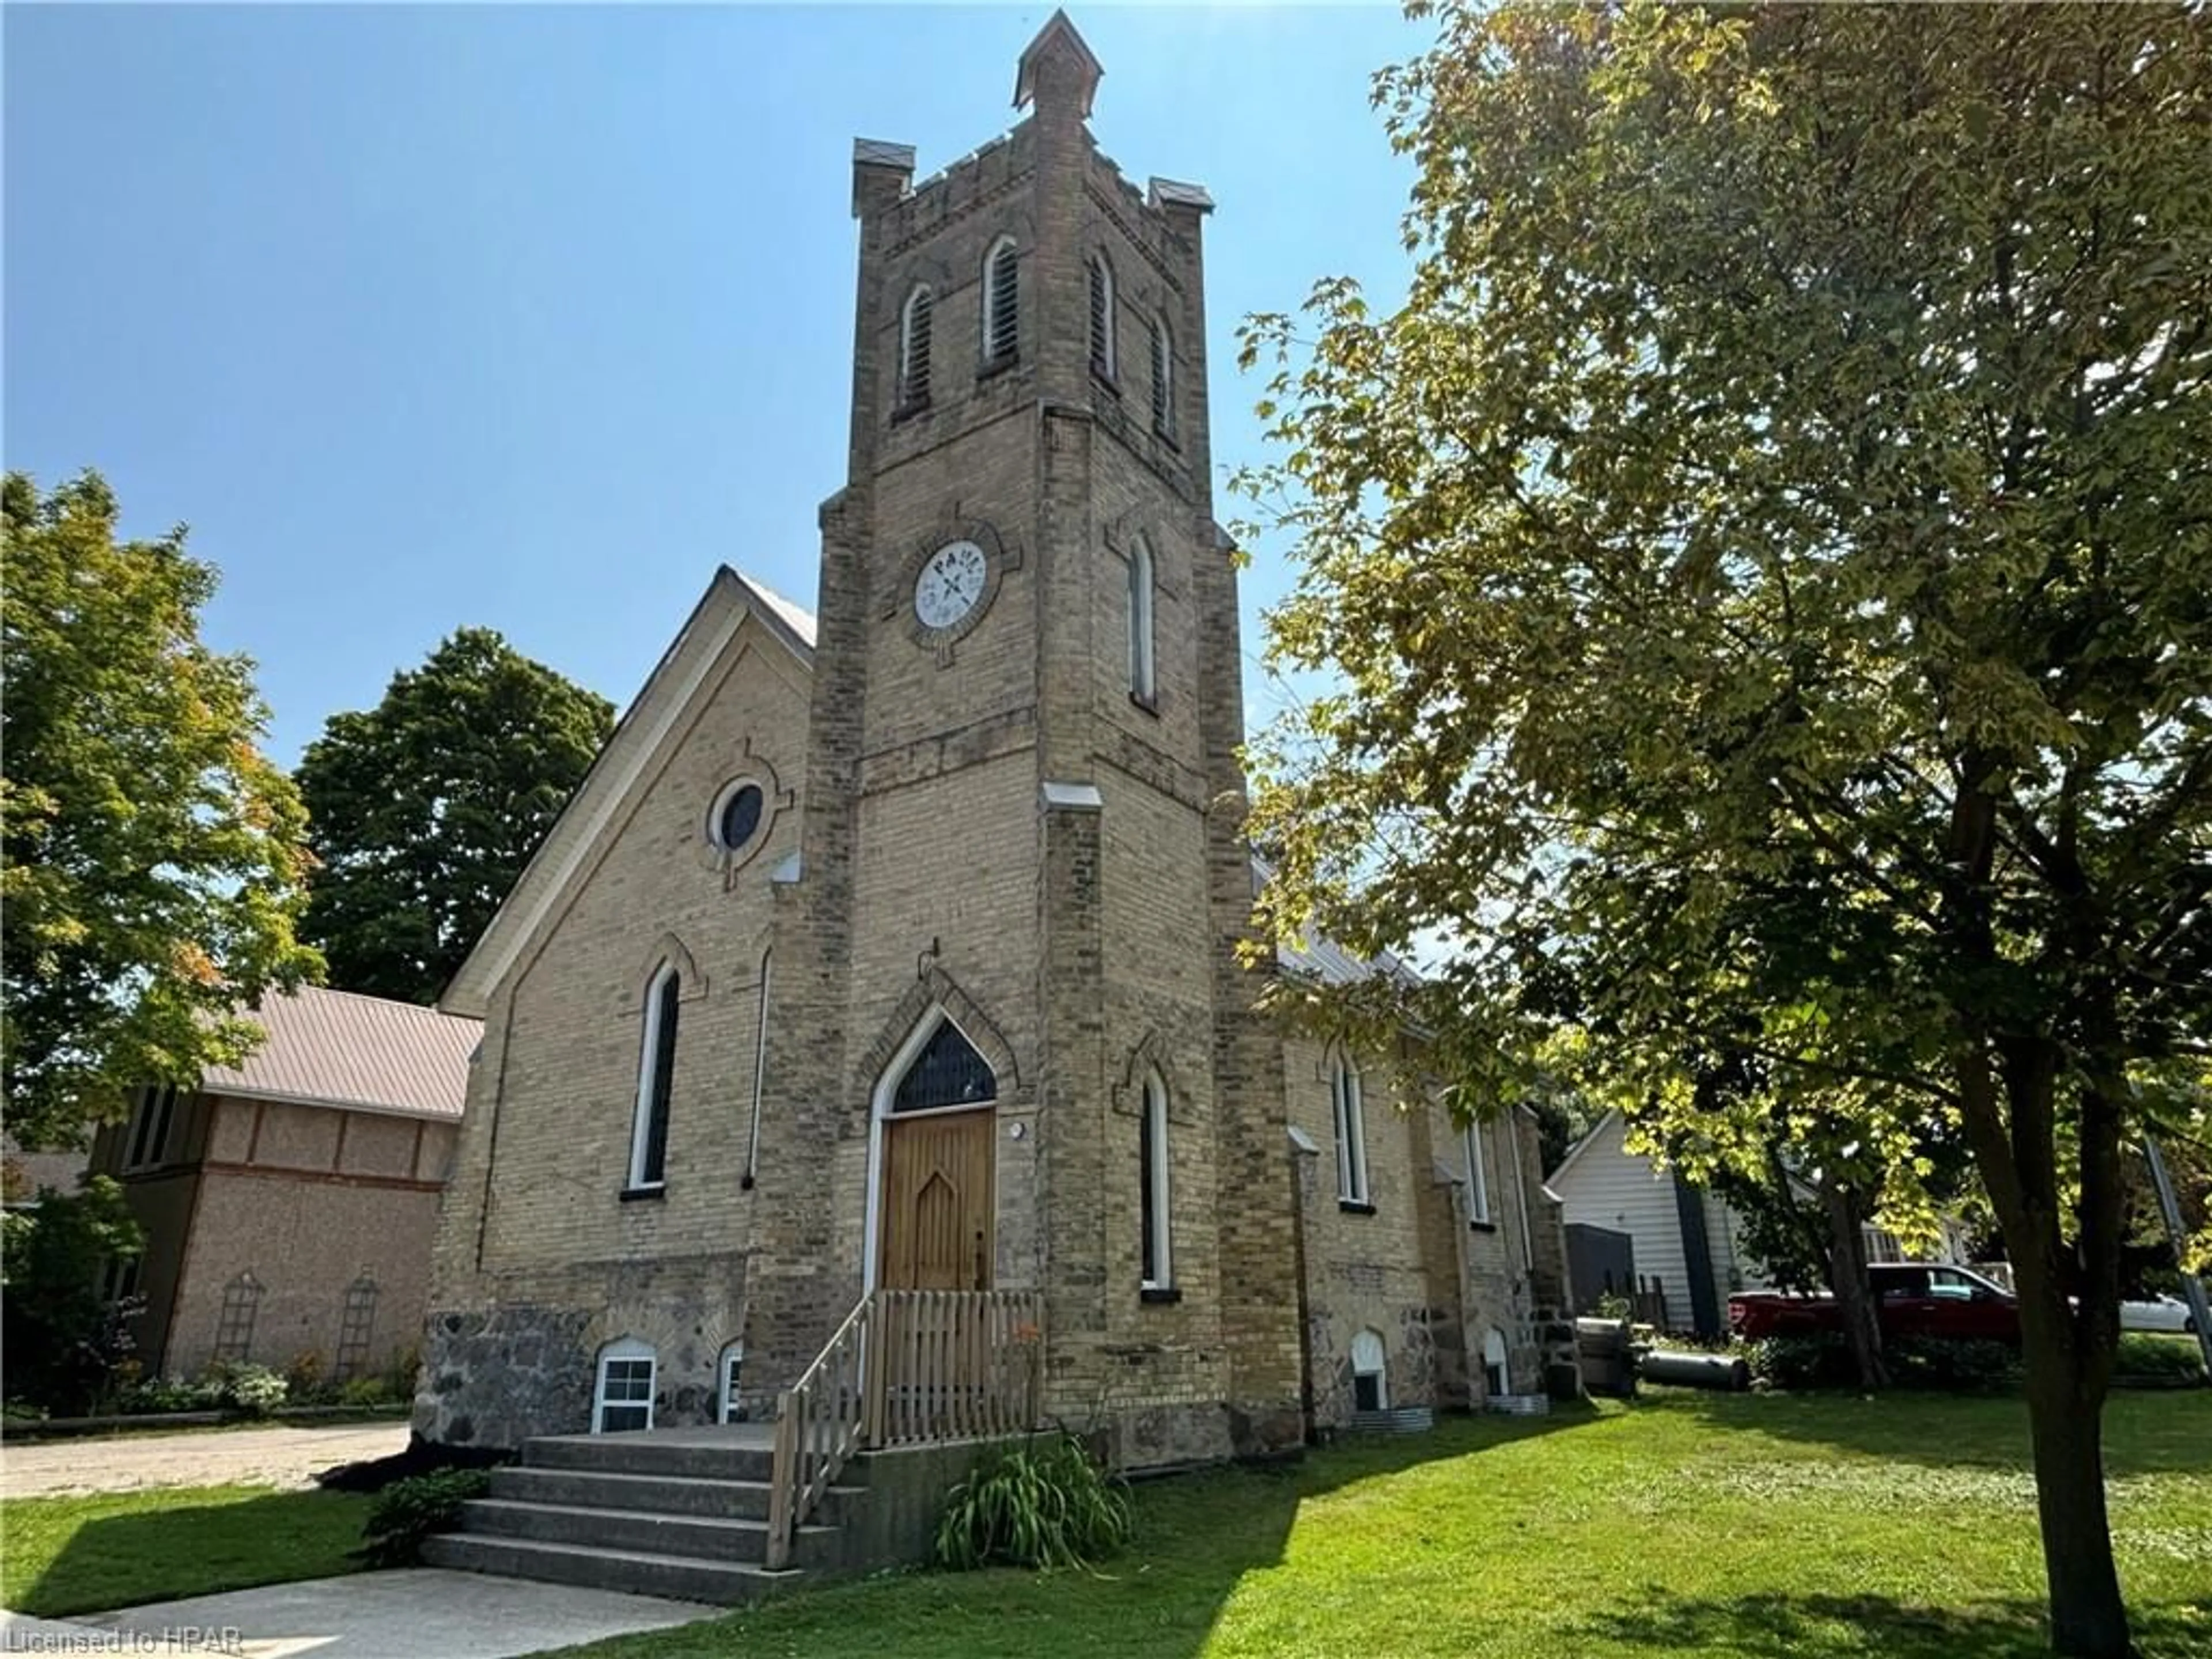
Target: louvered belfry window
1162	378
913	350
1101	316
1001	294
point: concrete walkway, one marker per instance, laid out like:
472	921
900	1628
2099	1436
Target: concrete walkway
417	1613
250	1457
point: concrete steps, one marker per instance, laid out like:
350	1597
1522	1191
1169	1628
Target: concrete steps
680	1513
680	1578
657	1494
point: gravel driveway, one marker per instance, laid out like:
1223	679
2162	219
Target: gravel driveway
261	1457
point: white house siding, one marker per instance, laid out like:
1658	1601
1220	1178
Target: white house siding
1604	1186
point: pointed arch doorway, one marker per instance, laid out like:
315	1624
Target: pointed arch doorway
932	1221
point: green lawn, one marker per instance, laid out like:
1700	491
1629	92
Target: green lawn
89	1553
1767	1526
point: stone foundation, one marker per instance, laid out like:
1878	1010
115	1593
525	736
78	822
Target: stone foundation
498	1377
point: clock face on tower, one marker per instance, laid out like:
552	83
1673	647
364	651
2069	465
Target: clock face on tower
951	584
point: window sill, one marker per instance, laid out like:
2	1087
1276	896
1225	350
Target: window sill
1482	1226
633	1195
1150	705
908	411
1355	1206
1166	435
1105	377
1159	1296
991	367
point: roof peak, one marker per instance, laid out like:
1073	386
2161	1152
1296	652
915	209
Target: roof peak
1058	64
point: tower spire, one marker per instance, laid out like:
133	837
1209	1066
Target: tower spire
1057	71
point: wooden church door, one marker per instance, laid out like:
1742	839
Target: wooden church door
937	1202
939	1193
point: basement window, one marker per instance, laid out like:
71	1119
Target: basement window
1371	1388
625	1398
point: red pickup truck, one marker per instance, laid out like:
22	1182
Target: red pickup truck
1912	1299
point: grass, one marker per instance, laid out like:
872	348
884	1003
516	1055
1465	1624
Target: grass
1760	1526
89	1553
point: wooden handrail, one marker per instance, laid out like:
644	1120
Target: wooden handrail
817	1427
906	1368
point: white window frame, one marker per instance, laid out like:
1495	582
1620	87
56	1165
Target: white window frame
1380	1371
1105	355
914	389
626	1351
1144	653
1156	1198
988	311
649	1079
1497	1363
1478	1177
1348	1108
729	1367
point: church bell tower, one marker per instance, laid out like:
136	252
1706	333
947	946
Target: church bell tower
1011	1046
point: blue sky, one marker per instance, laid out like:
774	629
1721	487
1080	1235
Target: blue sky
527	317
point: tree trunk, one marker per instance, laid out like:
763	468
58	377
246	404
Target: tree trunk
2065	1417
1854	1288
2068	1347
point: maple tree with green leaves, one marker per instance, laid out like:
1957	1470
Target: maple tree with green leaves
1766	568
152	864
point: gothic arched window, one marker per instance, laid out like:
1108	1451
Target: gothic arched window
1101	316
656	1078
1001	292
1144	677
1152	1165
948	1071
1162	378
913	350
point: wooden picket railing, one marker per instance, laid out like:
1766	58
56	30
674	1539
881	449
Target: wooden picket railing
907	1368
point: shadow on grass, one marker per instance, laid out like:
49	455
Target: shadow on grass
1199	1535
1863	1626
2146	1433
94	1553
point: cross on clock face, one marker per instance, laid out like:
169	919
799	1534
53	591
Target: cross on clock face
951	584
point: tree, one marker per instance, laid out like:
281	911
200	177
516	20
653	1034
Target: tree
153	859
1767	562
65	1333
424	809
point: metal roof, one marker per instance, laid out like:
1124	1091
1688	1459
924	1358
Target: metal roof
795	617
1316	954
339	1048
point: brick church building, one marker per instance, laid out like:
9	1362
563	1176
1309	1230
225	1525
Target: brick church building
895	945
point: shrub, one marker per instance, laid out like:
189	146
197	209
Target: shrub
2147	1354
253	1390
305	1381
64	1340
1819	1361
1047	1503
408	1511
1960	1364
404	1372
169	1393
366	1391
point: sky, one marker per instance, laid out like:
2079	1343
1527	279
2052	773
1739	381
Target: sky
424	317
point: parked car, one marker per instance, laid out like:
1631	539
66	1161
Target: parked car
1912	1299
2161	1313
